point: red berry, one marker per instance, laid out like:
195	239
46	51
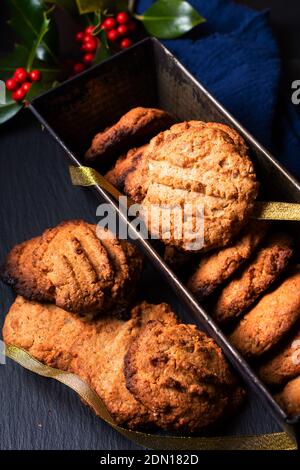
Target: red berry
109	23
79	36
20	75
126	42
88	58
122	30
131	26
87	38
11	84
122	17
112	35
19	94
78	67
35	75
26	87
90	45
89	30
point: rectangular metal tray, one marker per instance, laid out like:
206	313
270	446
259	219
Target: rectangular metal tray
147	74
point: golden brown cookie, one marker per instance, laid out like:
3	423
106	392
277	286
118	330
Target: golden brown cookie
93	349
135	128
130	174
199	165
75	268
284	363
256	277
215	268
270	319
289	398
181	376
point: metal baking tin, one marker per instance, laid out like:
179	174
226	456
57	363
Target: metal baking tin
147	74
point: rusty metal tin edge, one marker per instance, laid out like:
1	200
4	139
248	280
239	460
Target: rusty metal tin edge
183	294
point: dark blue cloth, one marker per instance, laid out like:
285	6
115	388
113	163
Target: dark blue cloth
234	54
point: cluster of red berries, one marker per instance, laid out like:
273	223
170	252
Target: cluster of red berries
89	44
21	82
119	29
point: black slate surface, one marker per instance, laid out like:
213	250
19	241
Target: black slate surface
35	192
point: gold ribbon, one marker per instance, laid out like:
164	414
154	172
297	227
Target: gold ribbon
277	211
276	441
86	176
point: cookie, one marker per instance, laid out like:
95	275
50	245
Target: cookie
283	364
215	268
77	266
93	349
271	318
181	376
289	398
130	174
256	277
135	128
193	166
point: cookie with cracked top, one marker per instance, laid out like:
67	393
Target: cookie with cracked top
215	268
134	128
192	165
255	278
77	266
92	348
270	319
181	376
284	363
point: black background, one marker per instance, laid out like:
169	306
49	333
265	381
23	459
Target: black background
35	193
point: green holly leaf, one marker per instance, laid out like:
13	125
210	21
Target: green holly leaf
8	110
89	6
26	20
67	5
124	5
38	88
103	51
19	58
169	19
44	28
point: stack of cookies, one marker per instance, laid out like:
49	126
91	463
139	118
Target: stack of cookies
253	290
243	270
76	284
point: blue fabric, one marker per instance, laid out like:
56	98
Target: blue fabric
236	57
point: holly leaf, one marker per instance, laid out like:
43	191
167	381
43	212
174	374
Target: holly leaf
169	19
26	20
103	51
89	6
38	88
44	28
67	5
124	5
8	110
19	58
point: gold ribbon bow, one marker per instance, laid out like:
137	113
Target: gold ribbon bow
276	441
